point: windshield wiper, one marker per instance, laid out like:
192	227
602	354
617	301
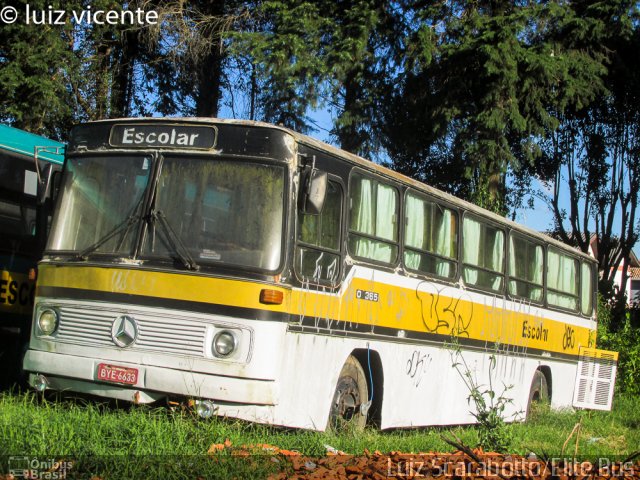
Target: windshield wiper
123	227
179	248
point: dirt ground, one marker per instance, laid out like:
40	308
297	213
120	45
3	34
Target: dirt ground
456	466
470	464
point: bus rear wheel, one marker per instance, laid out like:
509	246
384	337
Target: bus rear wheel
539	392
351	392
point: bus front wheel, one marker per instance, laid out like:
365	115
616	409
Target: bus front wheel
350	394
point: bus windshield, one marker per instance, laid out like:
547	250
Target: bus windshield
101	199
212	211
222	211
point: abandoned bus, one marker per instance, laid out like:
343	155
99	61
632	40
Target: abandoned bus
27	162
267	276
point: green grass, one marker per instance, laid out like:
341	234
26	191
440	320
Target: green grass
127	442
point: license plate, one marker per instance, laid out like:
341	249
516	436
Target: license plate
115	374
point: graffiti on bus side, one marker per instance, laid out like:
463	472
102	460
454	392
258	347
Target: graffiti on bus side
417	366
324	312
444	309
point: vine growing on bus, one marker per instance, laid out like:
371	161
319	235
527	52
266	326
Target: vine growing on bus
490	406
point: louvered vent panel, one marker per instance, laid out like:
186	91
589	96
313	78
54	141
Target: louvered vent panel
595	379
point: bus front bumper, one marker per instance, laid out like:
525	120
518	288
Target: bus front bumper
63	372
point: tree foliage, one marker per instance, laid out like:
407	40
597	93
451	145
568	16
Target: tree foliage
34	65
595	150
55	75
486	81
333	54
283	50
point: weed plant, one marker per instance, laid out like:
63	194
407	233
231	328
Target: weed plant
494	434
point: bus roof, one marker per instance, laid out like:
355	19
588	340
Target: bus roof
25	143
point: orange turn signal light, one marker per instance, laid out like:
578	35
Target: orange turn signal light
271	297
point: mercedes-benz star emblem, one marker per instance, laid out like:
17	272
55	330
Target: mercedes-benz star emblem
124	331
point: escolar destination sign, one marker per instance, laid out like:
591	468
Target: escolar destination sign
141	135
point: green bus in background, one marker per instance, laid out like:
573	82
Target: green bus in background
28	164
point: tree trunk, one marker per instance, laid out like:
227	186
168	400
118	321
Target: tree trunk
102	80
209	68
123	75
209	84
349	135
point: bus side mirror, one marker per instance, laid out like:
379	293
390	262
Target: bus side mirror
315	192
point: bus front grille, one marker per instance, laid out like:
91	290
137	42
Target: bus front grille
158	334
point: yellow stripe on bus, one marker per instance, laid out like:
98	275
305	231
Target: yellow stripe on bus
190	287
449	311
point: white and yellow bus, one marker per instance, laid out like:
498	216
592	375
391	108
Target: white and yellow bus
270	277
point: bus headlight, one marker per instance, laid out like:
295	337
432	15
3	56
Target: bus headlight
47	321
224	344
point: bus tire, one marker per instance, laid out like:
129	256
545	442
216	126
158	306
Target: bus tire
351	392
539	392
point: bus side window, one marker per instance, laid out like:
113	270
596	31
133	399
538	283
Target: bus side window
17	220
373	229
562	276
318	253
431	237
586	289
526	262
482	254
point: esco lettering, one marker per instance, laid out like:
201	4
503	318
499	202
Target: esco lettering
133	137
535	332
12	292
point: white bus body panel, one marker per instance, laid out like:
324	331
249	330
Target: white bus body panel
289	378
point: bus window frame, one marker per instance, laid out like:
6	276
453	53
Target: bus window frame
26	241
578	310
209	268
594	279
341	240
455	260
527	238
503	228
399	213
62	179
217	266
